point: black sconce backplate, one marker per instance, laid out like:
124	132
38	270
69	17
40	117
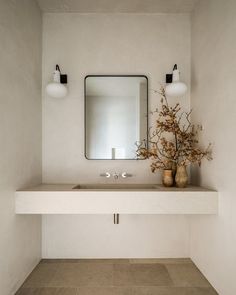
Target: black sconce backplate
169	78
63	79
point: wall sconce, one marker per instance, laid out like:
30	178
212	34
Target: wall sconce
56	89
175	88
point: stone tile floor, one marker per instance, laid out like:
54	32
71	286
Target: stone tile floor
116	277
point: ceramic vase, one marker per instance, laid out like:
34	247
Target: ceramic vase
181	177
167	178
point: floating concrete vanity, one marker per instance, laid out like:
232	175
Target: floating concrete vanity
136	199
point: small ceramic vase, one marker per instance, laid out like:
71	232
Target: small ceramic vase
167	178
181	177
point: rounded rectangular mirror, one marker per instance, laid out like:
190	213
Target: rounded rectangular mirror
116	116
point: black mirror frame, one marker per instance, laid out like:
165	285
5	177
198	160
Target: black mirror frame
89	76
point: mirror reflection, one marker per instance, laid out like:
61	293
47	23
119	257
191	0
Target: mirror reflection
115	116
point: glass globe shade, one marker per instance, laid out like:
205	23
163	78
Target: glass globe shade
56	90
176	89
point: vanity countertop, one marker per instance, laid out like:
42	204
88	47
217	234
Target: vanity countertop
109	187
63	199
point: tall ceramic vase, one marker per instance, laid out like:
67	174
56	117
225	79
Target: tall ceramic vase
181	177
167	178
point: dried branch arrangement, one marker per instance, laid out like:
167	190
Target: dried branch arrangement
173	140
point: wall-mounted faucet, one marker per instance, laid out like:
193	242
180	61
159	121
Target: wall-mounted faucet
116	175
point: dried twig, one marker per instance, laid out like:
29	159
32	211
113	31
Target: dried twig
170	142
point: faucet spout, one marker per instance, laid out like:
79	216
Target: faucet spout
115	175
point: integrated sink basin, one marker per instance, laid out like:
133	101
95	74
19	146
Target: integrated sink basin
116	187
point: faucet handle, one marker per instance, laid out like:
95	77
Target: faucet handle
125	174
107	175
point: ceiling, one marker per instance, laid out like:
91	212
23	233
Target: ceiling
117	6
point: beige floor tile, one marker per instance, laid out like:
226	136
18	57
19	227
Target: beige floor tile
116	277
172	291
41	276
104	291
186	275
161	260
154	290
47	291
82	274
141	275
200	291
118	291
105	261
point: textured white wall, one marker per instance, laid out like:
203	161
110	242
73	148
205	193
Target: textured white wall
213	239
85	44
20	137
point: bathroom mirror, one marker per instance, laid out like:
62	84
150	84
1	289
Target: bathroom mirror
115	116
